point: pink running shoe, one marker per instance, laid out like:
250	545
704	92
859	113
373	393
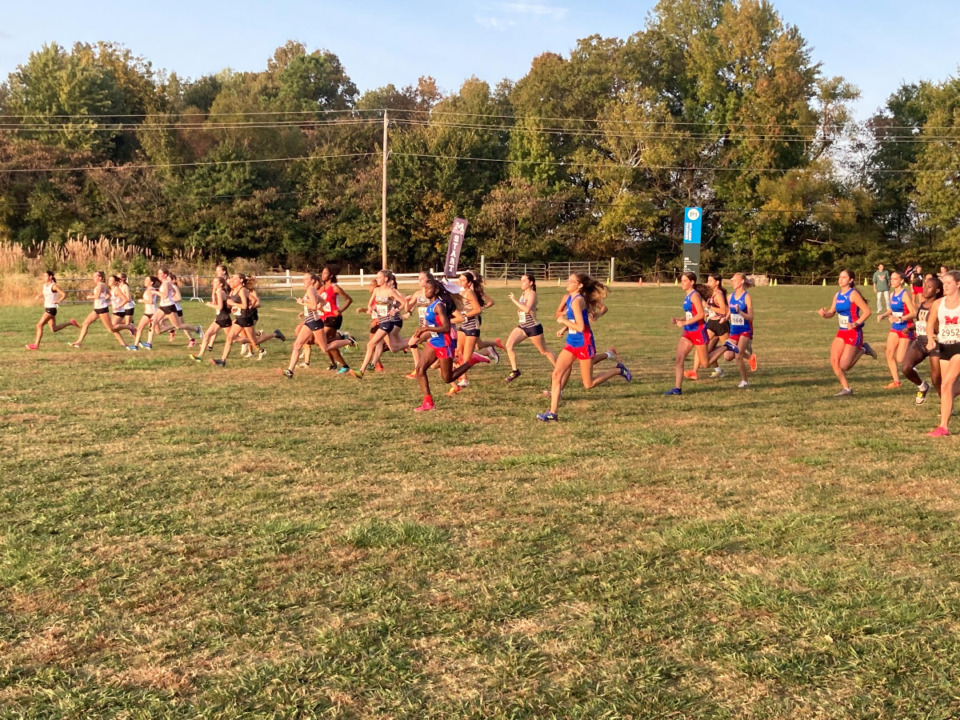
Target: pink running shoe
74	323
31	346
939	432
426	407
478	358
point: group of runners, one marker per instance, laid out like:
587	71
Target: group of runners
716	325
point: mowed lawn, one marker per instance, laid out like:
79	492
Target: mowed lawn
183	541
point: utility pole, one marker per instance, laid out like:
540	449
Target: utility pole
383	200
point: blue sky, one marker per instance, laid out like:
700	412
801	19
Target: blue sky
876	45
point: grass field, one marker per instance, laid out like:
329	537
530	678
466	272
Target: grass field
182	541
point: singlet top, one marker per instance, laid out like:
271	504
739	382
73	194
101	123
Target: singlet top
422	304
469	323
385	307
713	306
738	322
167	300
898	310
948	324
917	280
49	295
847	311
103	297
308	314
576	339
130	302
149	306
116	301
527	316
328	302
237	310
430	319
923	312
688	308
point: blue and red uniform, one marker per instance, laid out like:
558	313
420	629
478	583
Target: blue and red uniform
695	332
739	325
443	344
903	329
580	344
848	314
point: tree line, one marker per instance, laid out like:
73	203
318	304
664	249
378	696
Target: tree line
714	103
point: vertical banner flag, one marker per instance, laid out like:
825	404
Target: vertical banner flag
454	247
692	223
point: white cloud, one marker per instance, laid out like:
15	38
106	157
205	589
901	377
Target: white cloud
493	23
537	9
498	15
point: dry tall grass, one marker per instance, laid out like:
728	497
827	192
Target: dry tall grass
77	253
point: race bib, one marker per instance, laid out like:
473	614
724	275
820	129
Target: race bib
897	317
236	311
950	331
844	321
383	310
326	308
921	327
523	317
422	312
736	319
689	316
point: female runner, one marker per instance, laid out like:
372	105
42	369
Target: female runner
848	346
718	323
384	305
917	351
168	308
440	346
527	326
101	309
258	335
151	293
741	329
901	313
418	302
333	303
944	327
222	321
585	295
52	297
473	301
239	303
694	331
118	305
312	328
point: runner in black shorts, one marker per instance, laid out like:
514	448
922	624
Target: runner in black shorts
943	327
918	349
528	326
385	304
718	322
222	321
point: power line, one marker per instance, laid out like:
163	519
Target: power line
147	166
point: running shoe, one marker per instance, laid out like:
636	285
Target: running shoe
690	374
675	391
280	336
379	368
547	417
210	347
463	382
191	343
31	346
332	366
478	358
132	347
717	372
752	362
357	375
846	392
743	384
547	393
351	338
514	374
74	345
74	323
922	392
939	432
624	373
200	330
615	355
454	389
411	375
344	370
371	367
245	350
196	358
146	346
219	363
303	365
262	354
494	355
892	385
500	344
288	374
173	334
425	407
867	350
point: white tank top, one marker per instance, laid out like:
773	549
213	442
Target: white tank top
103	299
130	303
171	293
149	306
115	299
948	324
49	296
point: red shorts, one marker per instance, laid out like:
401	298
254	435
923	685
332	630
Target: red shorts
917	290
442	353
904	334
736	338
851	336
697	337
581	353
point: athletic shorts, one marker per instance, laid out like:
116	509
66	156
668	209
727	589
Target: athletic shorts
532	331
917	289
121	314
101	311
180	313
951	350
442	353
255	315
736	338
581	353
718	328
223	320
52	312
697	337
334	321
904	334
388	326
126	311
920	345
851	336
245	322
148	315
313	325
168	309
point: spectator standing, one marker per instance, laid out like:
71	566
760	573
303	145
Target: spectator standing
881	285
